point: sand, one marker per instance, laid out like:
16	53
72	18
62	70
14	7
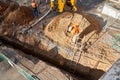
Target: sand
57	28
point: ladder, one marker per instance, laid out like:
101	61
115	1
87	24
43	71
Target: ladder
77	52
75	59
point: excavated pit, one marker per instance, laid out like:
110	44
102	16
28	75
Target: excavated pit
57	28
51	44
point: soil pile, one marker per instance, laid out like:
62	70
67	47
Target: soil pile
22	15
11	14
3	7
12	7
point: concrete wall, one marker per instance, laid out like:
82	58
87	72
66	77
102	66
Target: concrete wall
111	11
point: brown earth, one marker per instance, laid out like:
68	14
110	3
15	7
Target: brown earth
3	7
12	15
22	15
57	28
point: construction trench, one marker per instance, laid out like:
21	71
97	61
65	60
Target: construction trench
47	39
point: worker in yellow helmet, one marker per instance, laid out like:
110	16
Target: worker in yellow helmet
34	6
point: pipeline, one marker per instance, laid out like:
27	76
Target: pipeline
41	18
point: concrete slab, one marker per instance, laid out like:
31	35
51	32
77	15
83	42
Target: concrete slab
113	73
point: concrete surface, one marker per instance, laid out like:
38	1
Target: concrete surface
8	73
113	73
112	9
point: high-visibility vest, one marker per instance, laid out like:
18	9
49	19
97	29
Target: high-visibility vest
74	30
33	5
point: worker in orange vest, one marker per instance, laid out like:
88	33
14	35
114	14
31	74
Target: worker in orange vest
34	6
74	30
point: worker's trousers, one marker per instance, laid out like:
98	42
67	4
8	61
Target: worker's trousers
35	11
75	38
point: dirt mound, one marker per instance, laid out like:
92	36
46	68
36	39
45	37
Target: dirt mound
6	8
22	15
57	28
3	7
12	7
11	14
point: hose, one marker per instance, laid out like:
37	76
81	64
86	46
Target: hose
41	18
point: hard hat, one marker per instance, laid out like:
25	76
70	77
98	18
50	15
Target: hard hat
70	28
33	0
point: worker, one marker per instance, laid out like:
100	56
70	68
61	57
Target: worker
35	10
74	30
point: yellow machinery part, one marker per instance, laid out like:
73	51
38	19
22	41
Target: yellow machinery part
52	3
61	4
73	3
